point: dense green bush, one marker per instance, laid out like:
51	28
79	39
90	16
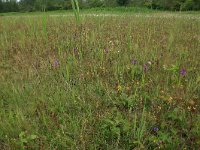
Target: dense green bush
9	6
123	2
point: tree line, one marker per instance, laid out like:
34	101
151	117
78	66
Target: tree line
48	5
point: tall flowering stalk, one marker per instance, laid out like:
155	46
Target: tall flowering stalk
75	7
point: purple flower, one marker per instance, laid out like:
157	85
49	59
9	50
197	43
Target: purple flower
183	72
55	49
106	51
56	63
145	68
155	129
159	142
134	62
75	50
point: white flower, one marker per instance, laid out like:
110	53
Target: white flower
149	62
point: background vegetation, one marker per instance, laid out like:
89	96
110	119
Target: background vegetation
109	82
48	5
99	81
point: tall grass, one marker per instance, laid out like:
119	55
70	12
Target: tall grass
113	82
75	6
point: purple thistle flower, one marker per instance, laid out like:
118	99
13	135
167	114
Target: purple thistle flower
134	62
56	63
106	51
159	142
183	72
75	50
55	49
155	129
145	68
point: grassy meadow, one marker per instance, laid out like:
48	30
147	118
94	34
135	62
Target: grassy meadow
109	82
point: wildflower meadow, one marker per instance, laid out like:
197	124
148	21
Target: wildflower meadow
116	81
